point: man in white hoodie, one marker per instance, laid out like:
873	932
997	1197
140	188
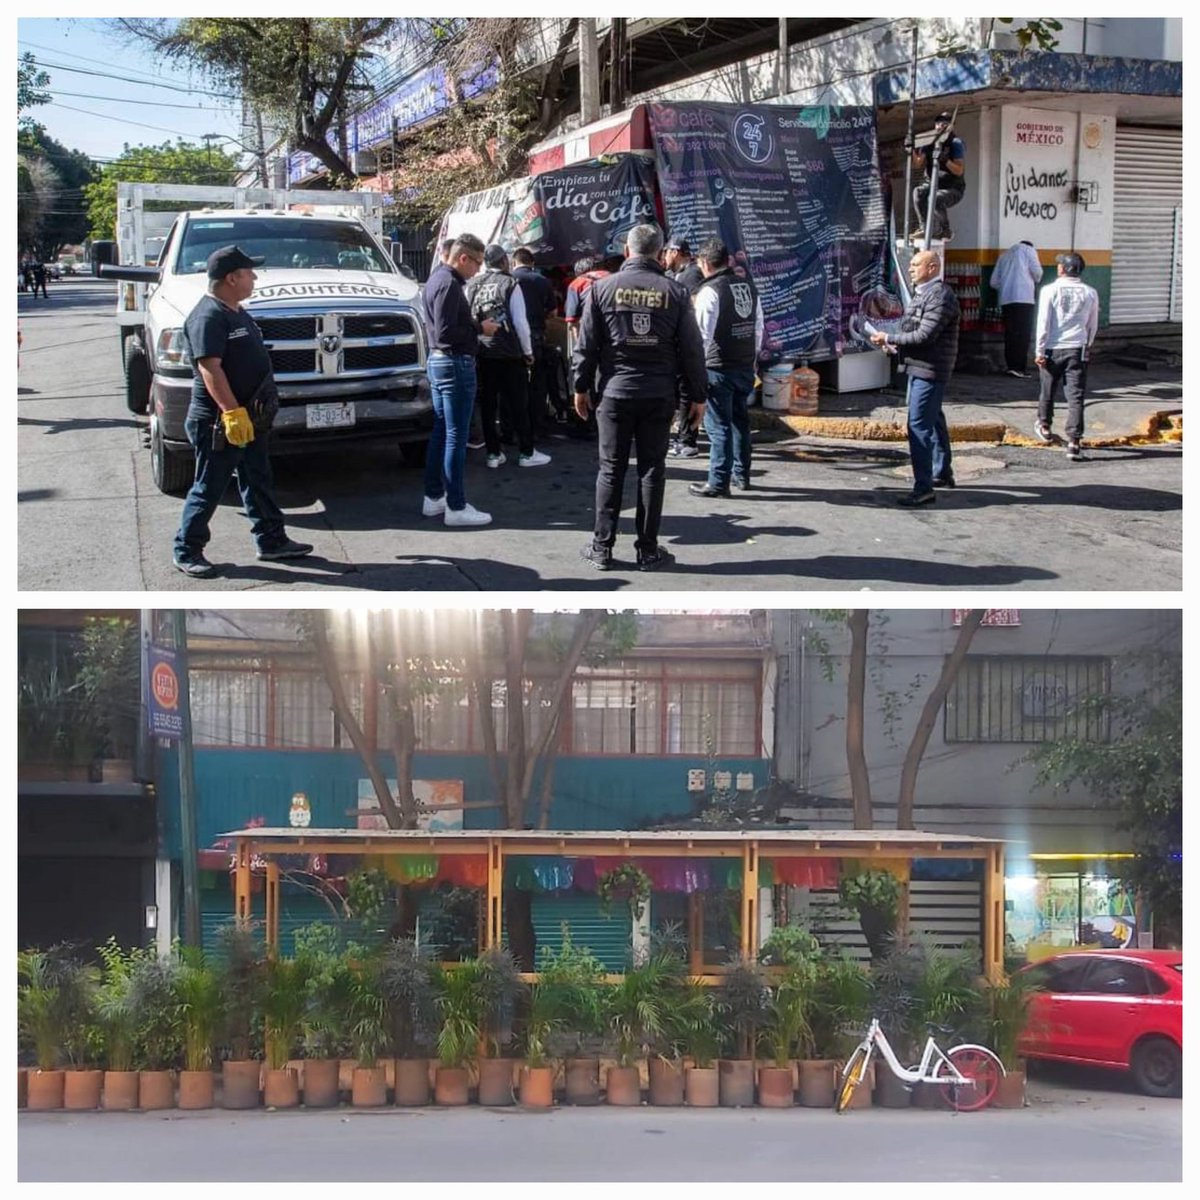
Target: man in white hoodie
1068	316
1014	279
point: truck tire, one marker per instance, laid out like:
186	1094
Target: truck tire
137	376
172	472
412	454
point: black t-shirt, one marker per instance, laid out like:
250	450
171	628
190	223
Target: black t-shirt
213	330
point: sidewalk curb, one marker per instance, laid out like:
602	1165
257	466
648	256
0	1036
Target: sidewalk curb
1165	426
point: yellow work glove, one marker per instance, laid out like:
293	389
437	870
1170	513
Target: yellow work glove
239	429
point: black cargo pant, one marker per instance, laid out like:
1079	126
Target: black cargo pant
1070	368
625	424
504	390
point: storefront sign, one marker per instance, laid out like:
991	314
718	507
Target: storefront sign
162	694
1036	170
796	195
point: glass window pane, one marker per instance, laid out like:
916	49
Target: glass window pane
229	708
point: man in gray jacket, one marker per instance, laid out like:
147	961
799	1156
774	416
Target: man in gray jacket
928	337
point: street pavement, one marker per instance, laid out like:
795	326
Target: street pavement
821	514
1073	1130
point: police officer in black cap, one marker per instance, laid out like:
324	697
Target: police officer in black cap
637	340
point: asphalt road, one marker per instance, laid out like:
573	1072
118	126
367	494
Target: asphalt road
820	515
1070	1132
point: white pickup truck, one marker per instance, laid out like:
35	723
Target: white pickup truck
341	321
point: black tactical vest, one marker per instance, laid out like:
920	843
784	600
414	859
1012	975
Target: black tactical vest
488	294
733	338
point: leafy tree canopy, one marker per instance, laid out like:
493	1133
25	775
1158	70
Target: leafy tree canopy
52	185
182	162
32	82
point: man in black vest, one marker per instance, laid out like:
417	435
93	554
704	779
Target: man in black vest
539	304
637	338
504	358
730	319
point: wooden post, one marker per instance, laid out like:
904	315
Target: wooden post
993	915
696	933
242	883
272	908
495	890
750	899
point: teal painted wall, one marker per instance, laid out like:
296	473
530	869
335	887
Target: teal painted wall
234	787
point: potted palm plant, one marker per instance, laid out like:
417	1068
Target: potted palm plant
81	1044
159	1039
117	1020
43	1013
544	1016
199	998
407	980
499	985
840	1011
458	1035
1006	1008
637	1016
240	973
577	976
702	1034
664	1064
284	1001
787	1033
327	1001
367	1027
745	1000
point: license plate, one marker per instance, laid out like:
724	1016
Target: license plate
328	416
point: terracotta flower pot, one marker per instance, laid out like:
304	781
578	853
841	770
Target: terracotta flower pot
1010	1093
120	1091
239	1083
623	1086
775	1088
196	1089
496	1081
22	1087
412	1082
81	1089
818	1079
537	1087
891	1091
46	1090
452	1086
701	1087
320	1080
927	1095
666	1083
281	1088
369	1087
582	1086
736	1086
156	1089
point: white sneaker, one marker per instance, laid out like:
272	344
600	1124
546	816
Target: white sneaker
496	460
467	515
433	508
536	459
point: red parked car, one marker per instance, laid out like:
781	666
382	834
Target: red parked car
1111	1008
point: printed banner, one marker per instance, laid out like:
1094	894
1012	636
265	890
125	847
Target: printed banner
797	196
162	694
440	804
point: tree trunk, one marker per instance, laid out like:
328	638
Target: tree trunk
928	717
856	760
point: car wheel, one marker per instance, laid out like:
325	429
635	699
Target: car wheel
172	472
1157	1067
412	454
137	377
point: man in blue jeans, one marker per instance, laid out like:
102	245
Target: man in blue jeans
453	336
231	368
928	338
730	317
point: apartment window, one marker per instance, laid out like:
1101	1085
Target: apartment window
1034	699
229	707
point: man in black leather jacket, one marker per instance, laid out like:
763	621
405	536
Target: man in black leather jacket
637	337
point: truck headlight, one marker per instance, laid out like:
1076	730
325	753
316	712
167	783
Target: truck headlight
171	350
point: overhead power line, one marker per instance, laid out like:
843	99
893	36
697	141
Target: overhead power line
150	103
151	82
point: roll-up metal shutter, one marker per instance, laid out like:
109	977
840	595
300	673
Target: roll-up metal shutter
1147	261
606	936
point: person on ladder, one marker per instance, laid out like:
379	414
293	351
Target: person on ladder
948	181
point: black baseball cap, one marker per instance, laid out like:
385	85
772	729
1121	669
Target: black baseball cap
680	244
229	259
942	118
1072	264
495	255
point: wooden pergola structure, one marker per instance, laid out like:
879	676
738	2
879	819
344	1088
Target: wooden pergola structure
504	845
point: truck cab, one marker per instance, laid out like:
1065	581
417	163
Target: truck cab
342	324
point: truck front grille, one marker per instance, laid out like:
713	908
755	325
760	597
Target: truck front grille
320	346
365	358
366	325
291	362
287	329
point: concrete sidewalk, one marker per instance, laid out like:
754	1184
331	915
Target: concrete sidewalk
1126	405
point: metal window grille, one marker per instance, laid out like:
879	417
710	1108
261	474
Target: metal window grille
1028	699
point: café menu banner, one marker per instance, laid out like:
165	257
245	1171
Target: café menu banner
796	194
